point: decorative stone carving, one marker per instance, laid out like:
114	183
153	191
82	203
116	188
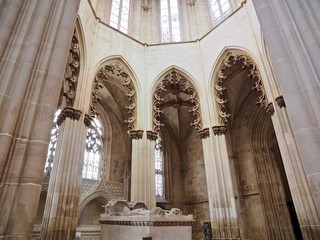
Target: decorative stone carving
270	109
72	72
146	5
219	130
68	112
136	134
191	3
280	101
151	135
176	83
204	133
246	62
116	68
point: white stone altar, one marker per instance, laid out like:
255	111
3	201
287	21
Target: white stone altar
133	221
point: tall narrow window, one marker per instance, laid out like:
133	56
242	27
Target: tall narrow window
220	9
170	27
52	143
119	17
159	166
92	165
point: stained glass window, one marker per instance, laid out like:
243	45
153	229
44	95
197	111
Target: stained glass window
53	142
170	26
159	173
92	165
119	17
220	9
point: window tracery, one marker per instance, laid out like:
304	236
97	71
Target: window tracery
220	9
53	142
92	164
119	17
159	168
170	26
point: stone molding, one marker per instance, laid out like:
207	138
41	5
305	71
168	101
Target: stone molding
68	112
204	133
136	134
151	135
280	101
219	130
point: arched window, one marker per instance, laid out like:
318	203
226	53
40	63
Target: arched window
170	26
92	164
52	143
159	169
220	9
119	17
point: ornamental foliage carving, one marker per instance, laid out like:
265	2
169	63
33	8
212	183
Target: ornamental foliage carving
246	62
115	68
176	83
72	72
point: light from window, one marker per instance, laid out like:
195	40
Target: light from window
53	142
220	9
170	26
159	173
119	17
93	153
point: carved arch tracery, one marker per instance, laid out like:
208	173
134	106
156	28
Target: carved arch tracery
246	62
115	68
176	83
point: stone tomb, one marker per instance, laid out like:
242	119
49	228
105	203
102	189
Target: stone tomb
133	221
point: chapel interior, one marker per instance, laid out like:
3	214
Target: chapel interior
206	110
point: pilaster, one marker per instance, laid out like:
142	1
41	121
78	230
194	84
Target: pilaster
142	172
222	206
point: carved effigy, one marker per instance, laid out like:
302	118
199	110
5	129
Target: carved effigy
176	83
115	68
246	62
121	212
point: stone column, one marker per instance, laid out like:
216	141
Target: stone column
292	40
297	180
61	210
142	174
223	212
35	40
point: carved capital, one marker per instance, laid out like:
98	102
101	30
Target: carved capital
68	112
219	130
280	101
204	133
136	134
87	120
151	135
191	3
270	109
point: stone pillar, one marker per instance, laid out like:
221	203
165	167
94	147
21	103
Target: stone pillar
35	40
297	180
223	212
291	36
142	173
61	211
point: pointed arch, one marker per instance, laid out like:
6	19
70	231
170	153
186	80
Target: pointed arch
176	81
236	57
123	77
